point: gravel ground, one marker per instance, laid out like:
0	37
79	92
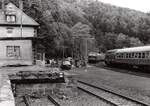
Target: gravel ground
64	96
82	99
67	94
43	101
19	101
132	92
130	85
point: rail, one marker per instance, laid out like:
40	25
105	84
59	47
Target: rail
103	99
53	101
115	93
26	101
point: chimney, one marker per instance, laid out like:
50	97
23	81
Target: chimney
3	5
21	4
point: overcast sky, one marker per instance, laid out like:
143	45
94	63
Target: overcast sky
142	5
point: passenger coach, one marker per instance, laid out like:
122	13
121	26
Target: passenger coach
134	56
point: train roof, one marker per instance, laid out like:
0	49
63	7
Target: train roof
112	51
134	49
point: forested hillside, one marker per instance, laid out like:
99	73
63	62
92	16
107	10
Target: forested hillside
112	27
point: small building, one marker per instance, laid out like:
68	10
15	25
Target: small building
18	34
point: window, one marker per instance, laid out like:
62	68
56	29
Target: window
119	55
13	51
9	29
132	55
124	55
143	55
147	54
140	55
129	55
35	32
136	55
10	18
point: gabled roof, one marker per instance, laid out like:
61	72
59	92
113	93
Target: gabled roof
26	20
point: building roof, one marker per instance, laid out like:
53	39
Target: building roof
134	49
26	20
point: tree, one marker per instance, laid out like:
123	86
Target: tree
112	27
80	30
110	41
122	41
135	42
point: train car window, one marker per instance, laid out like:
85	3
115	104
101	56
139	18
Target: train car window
129	55
117	55
143	55
124	55
121	55
140	55
136	55
132	55
147	55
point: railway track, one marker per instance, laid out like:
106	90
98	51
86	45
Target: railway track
110	97
26	100
52	102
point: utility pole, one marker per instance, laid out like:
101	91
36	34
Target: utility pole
86	52
3	5
21	8
63	52
86	49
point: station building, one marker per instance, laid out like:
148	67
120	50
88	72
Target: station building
18	36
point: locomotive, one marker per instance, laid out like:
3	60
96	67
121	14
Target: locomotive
94	57
133	56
